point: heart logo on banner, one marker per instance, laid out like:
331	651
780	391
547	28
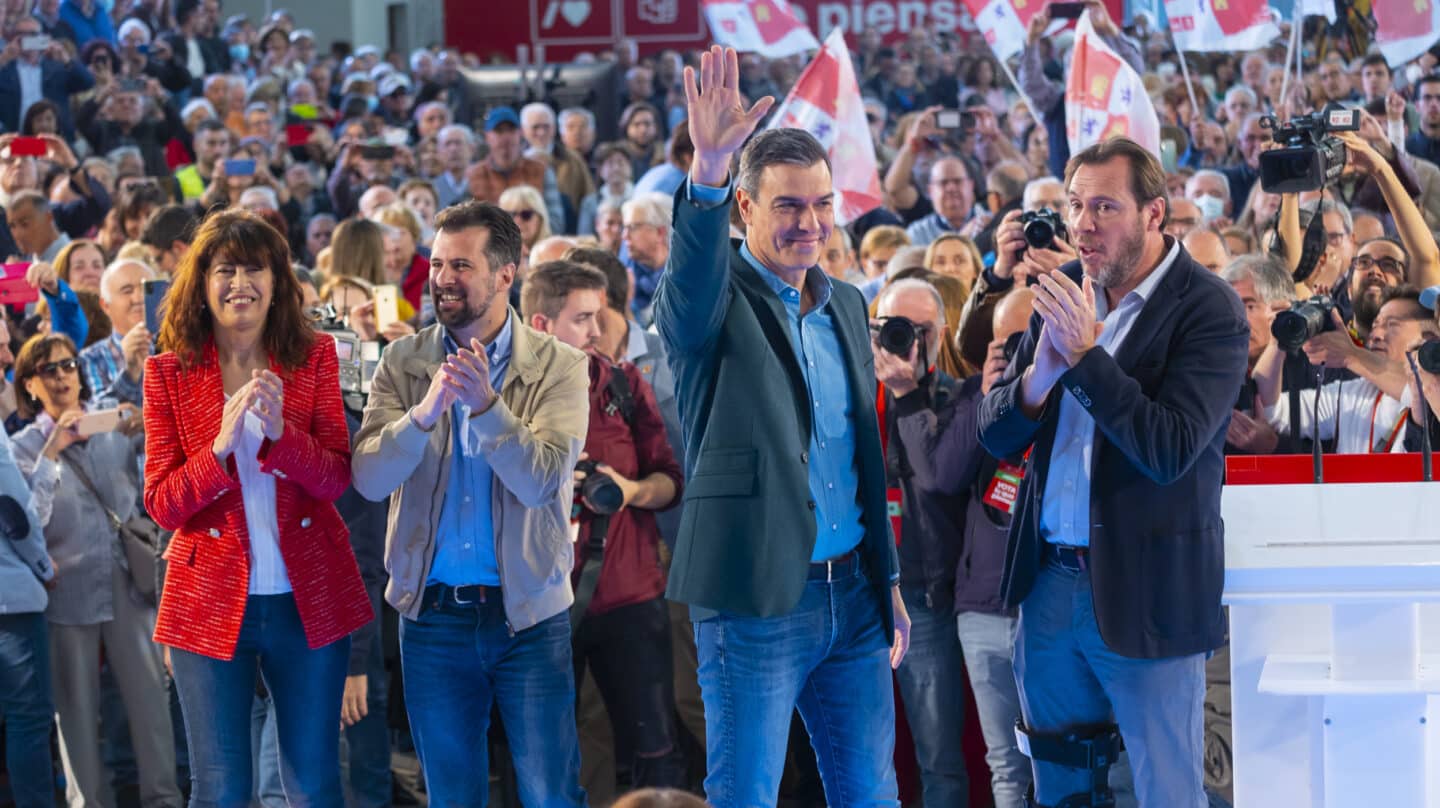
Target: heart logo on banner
575	12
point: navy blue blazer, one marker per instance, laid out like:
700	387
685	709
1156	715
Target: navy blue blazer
1161	406
57	83
748	525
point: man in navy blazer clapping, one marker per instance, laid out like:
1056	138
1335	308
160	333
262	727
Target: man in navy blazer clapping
1122	389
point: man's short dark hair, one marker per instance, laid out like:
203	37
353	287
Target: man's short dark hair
1405	292
1433	78
212	125
34	200
791	147
184	9
168	224
617	280
1147	176
1375	59
503	246
549	285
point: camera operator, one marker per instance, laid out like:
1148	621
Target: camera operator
1364	414
626	473
925	423
1428	361
1016	259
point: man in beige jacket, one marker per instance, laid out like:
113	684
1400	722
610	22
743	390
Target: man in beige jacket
473	429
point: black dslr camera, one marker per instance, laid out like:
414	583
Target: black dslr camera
1302	321
602	494
897	335
1429	356
1042	228
1309	155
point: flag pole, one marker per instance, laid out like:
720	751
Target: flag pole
1195	110
1290	53
1014	82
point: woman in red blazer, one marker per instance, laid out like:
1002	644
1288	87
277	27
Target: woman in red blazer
246	451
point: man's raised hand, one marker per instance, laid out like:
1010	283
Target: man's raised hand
719	122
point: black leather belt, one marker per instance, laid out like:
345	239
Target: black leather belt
444	596
835	568
1066	556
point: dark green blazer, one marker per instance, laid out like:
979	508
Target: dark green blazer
748	526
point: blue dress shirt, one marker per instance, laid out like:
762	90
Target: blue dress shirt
465	542
1065	504
834	478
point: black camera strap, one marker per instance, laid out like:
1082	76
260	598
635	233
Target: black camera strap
1312	247
622	401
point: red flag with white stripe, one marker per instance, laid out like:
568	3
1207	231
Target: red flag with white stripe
1104	96
766	27
1404	29
1221	25
825	102
1003	23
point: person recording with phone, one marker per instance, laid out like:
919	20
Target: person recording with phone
246	452
114	367
84	473
33	66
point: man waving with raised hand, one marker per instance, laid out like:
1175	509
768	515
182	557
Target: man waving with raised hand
784	552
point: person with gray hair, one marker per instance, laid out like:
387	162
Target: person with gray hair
456	146
1265	287
572	175
645	231
114	367
1210	191
577	130
785	553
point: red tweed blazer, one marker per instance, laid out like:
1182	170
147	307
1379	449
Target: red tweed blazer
188	491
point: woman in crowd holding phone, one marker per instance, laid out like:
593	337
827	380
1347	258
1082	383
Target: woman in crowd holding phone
83	469
246	452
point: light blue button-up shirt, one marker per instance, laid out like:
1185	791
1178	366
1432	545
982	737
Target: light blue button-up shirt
834	478
465	542
1065	505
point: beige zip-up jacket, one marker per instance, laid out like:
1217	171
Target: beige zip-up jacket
531	438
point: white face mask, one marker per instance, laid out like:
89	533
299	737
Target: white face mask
1211	207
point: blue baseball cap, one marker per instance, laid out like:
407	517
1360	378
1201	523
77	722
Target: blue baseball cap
501	115
1429	297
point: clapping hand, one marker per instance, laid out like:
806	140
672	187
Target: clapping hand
466	375
1069	314
719	122
268	402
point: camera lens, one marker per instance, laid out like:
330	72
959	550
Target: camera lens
1039	234
601	493
1429	357
1301	322
897	335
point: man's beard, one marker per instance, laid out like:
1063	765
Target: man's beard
1126	263
468	313
1367	306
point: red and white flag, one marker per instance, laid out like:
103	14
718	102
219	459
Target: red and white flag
1404	29
1003	23
1104	96
825	102
766	27
1221	25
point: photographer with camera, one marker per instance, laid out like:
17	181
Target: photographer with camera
1028	243
1425	407
626	473
925	421
1363	414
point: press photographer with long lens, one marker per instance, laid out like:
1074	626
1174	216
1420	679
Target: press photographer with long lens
1121	389
626	473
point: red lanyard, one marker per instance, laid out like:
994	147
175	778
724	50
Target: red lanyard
1394	430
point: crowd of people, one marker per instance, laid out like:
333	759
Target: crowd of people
576	488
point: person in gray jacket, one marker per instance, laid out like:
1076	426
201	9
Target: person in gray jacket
76	480
26	708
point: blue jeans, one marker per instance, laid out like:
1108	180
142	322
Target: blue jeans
458	661
27	708
830	658
933	694
988	641
306	685
1069	677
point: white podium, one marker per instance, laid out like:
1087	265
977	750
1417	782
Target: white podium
1334	597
